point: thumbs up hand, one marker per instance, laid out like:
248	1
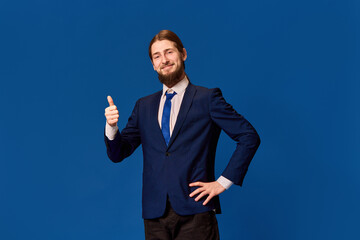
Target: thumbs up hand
111	113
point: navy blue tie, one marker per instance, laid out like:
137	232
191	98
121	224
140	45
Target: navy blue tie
165	121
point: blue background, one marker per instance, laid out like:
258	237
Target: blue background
290	67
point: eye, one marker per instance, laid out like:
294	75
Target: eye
156	57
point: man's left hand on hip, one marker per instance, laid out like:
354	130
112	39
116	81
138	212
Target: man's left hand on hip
211	189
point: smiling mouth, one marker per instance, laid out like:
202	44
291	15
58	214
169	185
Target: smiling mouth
167	66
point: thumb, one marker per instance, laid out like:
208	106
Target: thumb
110	100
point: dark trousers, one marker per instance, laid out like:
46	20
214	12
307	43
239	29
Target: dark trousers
171	226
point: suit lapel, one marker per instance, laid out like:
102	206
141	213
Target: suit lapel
154	110
185	106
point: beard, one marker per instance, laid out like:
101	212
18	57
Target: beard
173	78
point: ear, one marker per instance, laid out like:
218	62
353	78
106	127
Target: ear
184	54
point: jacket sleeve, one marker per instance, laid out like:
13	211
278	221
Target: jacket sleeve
240	130
126	142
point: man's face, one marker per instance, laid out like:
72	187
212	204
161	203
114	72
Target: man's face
168	62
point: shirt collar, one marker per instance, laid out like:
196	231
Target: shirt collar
179	87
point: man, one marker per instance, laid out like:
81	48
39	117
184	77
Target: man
179	128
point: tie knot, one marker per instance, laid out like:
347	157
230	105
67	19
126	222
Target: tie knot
169	96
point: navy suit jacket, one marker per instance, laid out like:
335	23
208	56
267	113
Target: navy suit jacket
190	155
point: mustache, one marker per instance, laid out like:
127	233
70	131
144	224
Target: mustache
166	65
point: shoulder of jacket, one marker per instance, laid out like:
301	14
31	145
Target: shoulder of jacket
207	91
149	97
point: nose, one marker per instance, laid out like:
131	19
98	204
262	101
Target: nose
164	60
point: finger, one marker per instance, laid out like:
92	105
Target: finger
196	192
110	100
111	108
208	199
194	184
111	117
111	112
200	196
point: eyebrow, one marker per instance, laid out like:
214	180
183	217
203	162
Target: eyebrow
164	51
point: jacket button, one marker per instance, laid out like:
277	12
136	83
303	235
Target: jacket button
167	154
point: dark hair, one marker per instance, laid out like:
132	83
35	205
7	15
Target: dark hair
167	35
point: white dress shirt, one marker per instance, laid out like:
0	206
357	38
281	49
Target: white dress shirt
176	101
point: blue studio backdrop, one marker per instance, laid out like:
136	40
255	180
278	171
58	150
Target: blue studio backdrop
290	67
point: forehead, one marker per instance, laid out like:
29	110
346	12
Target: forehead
160	46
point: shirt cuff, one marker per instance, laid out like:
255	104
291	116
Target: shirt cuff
110	131
226	183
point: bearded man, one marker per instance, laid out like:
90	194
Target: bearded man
179	128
